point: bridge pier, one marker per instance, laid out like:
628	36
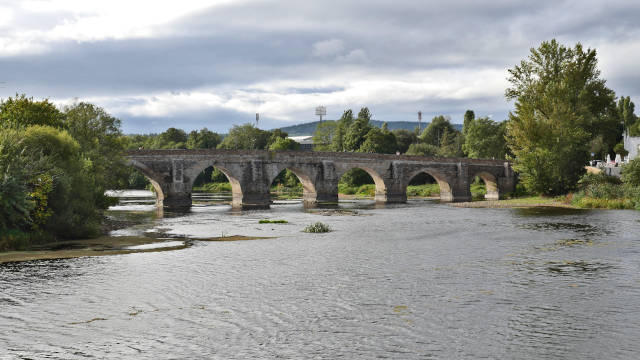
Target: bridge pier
177	196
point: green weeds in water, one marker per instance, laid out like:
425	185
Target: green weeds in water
266	221
317	228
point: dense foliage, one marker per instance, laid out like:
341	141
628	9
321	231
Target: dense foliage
561	105
55	166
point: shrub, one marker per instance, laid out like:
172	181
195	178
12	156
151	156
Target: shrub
317	228
266	221
631	172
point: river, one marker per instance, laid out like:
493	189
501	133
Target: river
414	281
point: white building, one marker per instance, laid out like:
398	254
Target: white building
306	142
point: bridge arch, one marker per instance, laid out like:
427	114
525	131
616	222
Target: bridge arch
309	194
490	182
236	187
446	194
381	187
153	178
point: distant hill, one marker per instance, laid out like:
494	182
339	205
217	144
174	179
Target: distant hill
310	127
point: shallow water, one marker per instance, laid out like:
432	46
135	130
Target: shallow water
418	280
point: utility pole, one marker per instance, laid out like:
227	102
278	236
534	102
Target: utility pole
419	120
257	118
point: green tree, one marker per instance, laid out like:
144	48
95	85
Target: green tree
484	139
172	138
451	144
469	116
355	135
619	149
74	208
15	205
247	137
625	109
343	124
203	139
323	136
561	102
423	149
404	139
381	141
433	133
101	141
631	172
21	111
284	144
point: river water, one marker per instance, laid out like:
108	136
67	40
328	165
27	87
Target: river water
414	281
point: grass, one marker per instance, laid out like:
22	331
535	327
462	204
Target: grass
266	221
425	190
317	228
213	187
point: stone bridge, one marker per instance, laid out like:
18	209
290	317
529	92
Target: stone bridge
251	172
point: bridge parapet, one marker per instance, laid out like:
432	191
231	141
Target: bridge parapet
251	172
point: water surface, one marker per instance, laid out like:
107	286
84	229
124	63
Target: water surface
412	281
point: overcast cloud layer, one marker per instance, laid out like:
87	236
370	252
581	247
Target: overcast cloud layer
192	63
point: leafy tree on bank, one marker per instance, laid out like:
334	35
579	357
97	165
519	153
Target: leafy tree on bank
484	138
561	103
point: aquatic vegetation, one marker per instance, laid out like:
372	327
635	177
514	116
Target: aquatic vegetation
267	221
317	228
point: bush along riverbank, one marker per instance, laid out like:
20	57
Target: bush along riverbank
599	191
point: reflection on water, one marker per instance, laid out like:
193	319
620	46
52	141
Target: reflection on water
410	281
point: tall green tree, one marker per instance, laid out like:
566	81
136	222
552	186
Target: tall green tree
484	139
469	116
625	109
323	136
560	104
355	135
343	124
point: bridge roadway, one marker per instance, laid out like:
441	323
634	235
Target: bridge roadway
251	172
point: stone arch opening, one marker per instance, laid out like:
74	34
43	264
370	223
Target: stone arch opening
229	184
490	183
443	185
355	181
150	176
293	182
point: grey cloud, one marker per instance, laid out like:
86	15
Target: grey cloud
239	45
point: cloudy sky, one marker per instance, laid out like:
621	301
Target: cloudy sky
194	63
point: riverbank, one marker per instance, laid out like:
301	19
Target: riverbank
108	245
524	202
